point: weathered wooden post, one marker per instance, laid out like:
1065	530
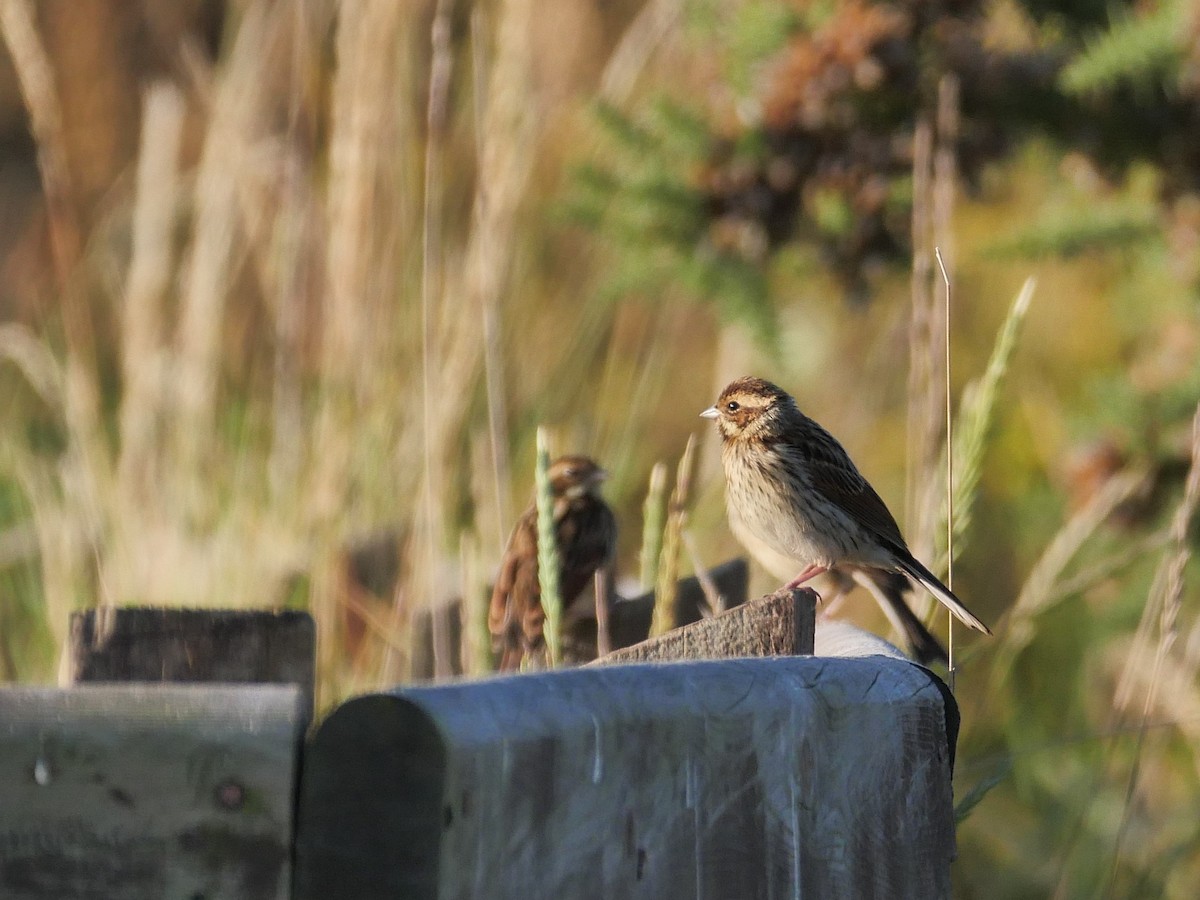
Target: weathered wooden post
139	792
124	643
124	791
779	624
788	777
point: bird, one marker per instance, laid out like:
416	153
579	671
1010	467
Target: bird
586	531
792	487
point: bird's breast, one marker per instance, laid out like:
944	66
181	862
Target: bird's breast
775	501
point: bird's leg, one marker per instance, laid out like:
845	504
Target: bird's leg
811	571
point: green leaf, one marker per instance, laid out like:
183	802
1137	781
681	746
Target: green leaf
1138	50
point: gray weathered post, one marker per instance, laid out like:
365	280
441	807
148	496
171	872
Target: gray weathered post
140	792
119	643
793	777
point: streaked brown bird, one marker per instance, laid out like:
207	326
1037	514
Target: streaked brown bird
586	532
791	485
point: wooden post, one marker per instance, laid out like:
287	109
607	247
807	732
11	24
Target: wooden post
114	643
778	777
139	792
779	624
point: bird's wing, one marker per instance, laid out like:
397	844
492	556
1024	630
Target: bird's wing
836	478
586	538
517	581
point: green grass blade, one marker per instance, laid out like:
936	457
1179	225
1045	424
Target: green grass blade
976	415
548	563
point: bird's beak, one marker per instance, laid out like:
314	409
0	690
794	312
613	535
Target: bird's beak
710	413
600	475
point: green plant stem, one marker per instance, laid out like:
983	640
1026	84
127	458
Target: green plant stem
548	564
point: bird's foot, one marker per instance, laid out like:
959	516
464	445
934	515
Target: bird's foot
810	572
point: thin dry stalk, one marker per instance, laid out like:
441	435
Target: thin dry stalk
1176	698
654	511
493	358
354	286
1040	591
382	628
235	118
361	105
476	639
432	286
663	619
945	167
64	540
1166	593
87	461
949	470
924	428
506	127
934	187
1106	568
31	357
657	21
655	346
35	75
143	352
712	593
945	183
1166	598
453	345
432	264
289	267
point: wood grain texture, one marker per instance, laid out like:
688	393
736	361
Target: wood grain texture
779	624
792	777
191	645
127	792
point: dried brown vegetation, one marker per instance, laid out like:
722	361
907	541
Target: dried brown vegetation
285	289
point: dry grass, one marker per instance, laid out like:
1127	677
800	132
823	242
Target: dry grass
345	302
665	590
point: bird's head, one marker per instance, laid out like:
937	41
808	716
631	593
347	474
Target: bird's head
572	477
749	408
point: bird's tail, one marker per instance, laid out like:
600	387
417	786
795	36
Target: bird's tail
913	568
888	589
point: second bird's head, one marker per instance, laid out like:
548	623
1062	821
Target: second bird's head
572	477
750	408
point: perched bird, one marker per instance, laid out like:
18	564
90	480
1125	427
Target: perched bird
587	538
792	486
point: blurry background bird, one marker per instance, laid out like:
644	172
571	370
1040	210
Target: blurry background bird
792	488
586	531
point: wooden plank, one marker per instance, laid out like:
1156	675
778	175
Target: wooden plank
778	777
126	792
779	624
114	643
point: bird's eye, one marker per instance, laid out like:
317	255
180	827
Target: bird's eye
570	472
733	406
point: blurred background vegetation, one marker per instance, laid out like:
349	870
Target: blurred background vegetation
286	287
